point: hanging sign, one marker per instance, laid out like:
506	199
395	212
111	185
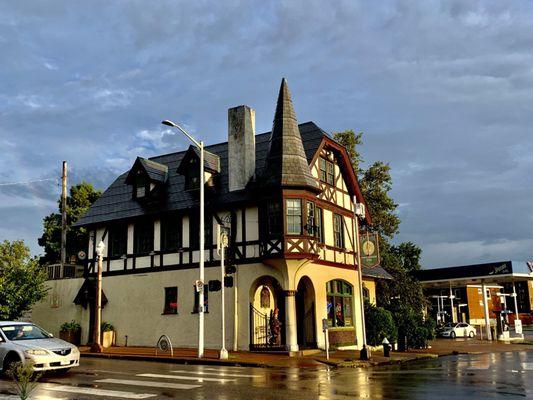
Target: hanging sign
369	249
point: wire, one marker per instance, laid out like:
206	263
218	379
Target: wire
27	182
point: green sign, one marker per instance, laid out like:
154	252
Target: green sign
369	249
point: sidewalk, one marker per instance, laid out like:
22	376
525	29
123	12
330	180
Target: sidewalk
345	358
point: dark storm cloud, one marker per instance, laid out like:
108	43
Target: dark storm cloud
441	90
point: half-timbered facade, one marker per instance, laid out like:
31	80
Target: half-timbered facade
287	197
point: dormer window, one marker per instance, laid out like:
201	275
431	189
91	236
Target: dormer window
141	184
327	171
192	178
148	178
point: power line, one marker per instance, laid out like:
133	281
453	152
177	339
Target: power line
27	182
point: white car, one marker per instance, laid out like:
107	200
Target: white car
461	329
26	342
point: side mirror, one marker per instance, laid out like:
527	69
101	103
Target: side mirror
50	335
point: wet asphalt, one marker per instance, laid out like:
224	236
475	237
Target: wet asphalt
484	376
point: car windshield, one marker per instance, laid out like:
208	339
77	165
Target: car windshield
24	332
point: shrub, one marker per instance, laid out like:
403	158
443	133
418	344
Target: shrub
24	379
70	326
379	325
106	327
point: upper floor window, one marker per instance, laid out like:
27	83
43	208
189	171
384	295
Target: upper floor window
141	186
171	300
294	216
311	219
319	230
171	233
117	240
327	171
338	230
194	230
274	220
143	236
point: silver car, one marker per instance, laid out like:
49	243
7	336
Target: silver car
26	342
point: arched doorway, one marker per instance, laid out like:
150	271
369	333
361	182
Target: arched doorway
305	314
267	315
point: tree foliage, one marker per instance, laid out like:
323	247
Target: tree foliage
81	197
21	280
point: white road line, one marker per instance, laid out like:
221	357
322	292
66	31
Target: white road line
166	385
99	392
187	378
219	373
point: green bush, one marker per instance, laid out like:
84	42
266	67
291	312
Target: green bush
70	326
106	327
379	325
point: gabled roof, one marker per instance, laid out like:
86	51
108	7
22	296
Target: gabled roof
286	163
117	201
211	161
154	171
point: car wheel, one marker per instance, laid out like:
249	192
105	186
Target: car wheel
452	335
471	334
9	362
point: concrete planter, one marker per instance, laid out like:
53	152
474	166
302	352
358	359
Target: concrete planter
71	335
108	339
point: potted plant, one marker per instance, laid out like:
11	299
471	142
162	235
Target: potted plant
108	335
71	332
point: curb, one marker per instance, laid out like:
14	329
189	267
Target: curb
370	364
170	360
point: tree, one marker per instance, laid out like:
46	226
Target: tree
81	197
21	280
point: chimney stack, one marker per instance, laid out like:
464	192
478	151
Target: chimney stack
241	146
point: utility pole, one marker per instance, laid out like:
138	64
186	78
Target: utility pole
97	346
63	217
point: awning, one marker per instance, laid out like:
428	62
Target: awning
87	294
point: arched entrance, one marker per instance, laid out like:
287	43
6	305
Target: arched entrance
305	314
267	315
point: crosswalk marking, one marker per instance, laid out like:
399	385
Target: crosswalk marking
187	378
167	385
527	366
99	392
219	373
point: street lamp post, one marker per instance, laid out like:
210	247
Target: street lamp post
97	346
222	243
359	212
200	146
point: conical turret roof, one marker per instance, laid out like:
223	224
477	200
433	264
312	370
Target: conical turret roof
286	164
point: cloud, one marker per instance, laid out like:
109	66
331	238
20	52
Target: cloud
440	88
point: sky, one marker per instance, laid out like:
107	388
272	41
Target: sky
443	91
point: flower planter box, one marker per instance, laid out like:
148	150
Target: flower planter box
108	339
71	335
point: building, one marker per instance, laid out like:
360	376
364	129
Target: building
287	197
480	294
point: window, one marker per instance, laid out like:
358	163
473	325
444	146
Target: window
197	299
319	232
143	237
274	219
294	216
171	300
366	293
171	233
339	303
192	178
141	186
117	240
311	215
194	230
327	171
338	231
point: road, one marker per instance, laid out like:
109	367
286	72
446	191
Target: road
502	375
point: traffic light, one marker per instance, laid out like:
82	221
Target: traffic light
230	269
228	281
215	285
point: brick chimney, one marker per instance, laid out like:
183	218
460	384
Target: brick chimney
241	146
